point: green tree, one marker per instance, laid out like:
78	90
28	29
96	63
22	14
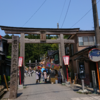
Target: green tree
34	51
9	45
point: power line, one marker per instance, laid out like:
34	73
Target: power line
35	12
62	10
66	13
84	15
81	18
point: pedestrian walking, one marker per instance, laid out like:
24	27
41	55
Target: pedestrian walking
29	73
42	76
37	76
45	75
59	76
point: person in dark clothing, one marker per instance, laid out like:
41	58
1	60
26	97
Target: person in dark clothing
39	76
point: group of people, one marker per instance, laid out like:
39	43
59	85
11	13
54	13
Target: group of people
46	75
39	74
29	72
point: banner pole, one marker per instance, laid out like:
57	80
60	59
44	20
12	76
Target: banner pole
20	75
98	75
67	72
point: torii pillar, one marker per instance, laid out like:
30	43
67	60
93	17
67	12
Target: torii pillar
62	49
22	54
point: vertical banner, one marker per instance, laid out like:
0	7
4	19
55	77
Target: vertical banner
66	60
20	62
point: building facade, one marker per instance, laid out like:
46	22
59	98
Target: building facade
5	63
78	52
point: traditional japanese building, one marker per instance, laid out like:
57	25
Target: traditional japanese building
5	63
84	41
53	56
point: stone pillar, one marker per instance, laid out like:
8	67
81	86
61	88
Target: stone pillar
14	68
62	48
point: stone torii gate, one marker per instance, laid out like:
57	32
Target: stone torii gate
43	32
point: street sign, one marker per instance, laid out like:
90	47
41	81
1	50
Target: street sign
20	62
94	55
66	60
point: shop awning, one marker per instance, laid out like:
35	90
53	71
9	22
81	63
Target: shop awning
82	58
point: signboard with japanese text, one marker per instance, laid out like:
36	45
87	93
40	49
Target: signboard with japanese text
66	60
20	63
94	55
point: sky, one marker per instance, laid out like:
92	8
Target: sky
47	13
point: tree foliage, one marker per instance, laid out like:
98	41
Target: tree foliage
35	51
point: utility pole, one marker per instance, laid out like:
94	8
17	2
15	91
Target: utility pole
97	36
96	23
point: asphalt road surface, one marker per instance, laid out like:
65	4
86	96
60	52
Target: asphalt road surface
44	91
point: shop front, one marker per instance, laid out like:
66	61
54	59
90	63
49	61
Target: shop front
83	67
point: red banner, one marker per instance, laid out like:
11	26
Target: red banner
66	60
20	63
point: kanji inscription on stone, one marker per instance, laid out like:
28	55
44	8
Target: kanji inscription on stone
14	68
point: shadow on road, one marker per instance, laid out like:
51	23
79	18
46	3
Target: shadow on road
19	94
36	84
45	92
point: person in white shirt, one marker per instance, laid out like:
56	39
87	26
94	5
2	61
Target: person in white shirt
37	76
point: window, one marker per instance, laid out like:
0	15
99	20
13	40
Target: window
91	40
80	39
86	40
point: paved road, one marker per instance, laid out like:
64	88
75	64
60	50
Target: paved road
50	92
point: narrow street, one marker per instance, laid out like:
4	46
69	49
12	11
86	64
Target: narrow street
43	91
